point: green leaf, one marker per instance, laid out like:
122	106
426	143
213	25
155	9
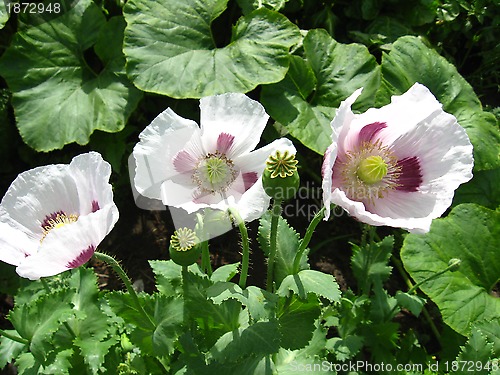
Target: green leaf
61	99
39	320
470	233
412	302
4	16
306	100
310	281
169	276
370	263
451	89
9	350
260	303
261	338
170	49
27	364
346	348
476	351
483	189
296	323
249	5
287	244
225	272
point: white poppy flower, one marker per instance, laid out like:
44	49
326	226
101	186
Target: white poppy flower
398	165
212	166
53	217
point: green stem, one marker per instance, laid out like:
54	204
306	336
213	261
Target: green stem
417	285
275	214
128	283
14	338
307	238
245	257
408	282
206	266
185	294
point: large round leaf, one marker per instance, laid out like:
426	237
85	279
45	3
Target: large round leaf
470	233
57	97
451	89
306	100
170	49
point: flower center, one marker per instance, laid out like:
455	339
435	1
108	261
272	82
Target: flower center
214	173
56	221
369	172
372	169
183	239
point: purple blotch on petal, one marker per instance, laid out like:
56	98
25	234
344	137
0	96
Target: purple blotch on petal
51	217
249	178
224	143
95	206
368	132
410	177
184	162
82	258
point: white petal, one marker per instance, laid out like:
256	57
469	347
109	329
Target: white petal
15	245
402	115
39	192
91	174
233	114
359	211
341	123
255	161
253	203
326	172
159	143
66	244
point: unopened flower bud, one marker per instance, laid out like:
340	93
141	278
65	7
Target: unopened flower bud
281	178
184	249
454	264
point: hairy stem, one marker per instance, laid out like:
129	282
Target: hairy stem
245	243
128	283
275	212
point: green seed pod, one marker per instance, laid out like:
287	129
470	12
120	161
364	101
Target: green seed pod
281	178
184	249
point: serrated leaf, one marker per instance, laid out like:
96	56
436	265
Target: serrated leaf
370	263
170	49
383	306
27	364
449	87
297	323
166	313
310	281
477	350
293	362
60	364
345	349
9	349
4	16
287	244
306	109
261	338
225	272
49	91
470	233
39	320
260	303
412	302
169	276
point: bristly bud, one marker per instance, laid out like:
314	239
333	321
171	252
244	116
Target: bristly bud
184	249
281	178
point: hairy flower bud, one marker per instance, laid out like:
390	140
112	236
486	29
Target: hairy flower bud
281	178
